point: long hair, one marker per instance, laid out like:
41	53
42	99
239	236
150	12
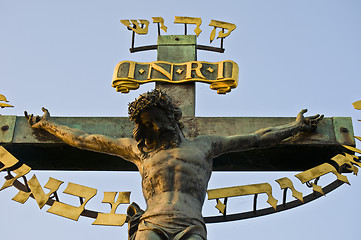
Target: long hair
146	101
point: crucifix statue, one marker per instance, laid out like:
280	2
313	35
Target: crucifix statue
174	151
175	170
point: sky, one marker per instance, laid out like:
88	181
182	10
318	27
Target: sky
291	55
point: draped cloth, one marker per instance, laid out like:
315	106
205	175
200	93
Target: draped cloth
168	227
134	213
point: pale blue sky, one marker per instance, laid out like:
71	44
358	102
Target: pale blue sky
291	55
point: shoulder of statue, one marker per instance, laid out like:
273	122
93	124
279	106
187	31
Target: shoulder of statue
205	140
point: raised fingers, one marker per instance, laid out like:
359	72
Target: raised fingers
303	111
315	121
30	119
314	116
320	118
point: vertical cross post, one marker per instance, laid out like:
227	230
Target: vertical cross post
179	49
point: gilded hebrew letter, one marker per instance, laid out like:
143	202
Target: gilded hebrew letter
352	149
38	192
7	159
161	21
319	171
357	105
69	211
352	158
113	219
224	25
221	206
3	99
21	171
244	190
348	160
141	25
190	20
287	183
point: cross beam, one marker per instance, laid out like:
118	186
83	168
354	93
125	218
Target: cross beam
41	151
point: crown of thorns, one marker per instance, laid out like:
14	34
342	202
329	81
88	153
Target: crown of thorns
155	98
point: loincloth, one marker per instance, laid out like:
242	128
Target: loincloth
173	228
170	226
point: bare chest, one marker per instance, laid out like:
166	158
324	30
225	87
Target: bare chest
184	156
185	169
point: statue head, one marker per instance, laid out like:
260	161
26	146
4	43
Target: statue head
156	121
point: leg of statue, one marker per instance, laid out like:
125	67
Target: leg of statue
147	235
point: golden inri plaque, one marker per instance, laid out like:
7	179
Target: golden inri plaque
223	76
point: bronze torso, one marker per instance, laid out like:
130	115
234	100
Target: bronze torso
176	179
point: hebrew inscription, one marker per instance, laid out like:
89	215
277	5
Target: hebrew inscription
140	26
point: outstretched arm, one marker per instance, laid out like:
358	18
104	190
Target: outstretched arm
265	137
122	147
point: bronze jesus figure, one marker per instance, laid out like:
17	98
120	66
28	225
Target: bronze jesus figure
175	170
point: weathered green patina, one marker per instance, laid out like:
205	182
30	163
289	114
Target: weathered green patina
41	150
178	49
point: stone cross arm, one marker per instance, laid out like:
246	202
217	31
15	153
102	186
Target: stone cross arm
42	151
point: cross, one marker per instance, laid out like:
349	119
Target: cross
42	151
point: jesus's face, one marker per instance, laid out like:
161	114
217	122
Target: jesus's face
160	130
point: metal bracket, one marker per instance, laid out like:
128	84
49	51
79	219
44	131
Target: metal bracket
133	49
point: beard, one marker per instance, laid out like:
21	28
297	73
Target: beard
165	138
